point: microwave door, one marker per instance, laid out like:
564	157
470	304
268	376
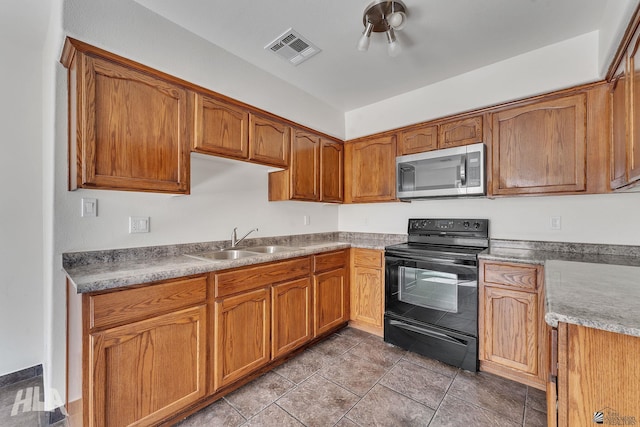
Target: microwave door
438	176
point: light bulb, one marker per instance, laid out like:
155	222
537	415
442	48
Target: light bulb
363	43
397	20
393	48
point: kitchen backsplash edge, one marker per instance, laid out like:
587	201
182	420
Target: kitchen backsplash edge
372	240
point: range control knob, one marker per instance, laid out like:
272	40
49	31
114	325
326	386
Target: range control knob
466	224
476	225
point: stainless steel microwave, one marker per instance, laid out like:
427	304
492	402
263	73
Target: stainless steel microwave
450	172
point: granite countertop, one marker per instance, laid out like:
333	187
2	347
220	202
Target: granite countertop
585	284
541	252
601	296
111	269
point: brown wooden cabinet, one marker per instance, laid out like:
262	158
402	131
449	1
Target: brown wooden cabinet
221	128
315	173
540	147
370	170
270	141
412	141
440	134
330	291
625	119
134	368
460	132
367	290
258	308
137	340
128	129
242	335
597	371
511	322
619	106
292	319
633	142
331	171
304	172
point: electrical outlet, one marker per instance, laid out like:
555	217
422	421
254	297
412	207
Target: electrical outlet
306	220
89	207
139	224
556	223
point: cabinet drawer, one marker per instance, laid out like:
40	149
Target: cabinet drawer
519	276
368	257
133	304
244	279
329	261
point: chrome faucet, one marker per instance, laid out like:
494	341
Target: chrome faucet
234	236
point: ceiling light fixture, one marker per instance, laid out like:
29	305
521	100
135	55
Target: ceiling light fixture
383	16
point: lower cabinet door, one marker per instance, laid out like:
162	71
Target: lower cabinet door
511	328
145	371
242	335
330	300
291	316
367	296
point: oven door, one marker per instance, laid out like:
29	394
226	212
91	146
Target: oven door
440	292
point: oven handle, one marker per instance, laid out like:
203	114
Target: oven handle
414	257
428	332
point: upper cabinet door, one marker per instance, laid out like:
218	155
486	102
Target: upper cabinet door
618	95
132	129
305	166
269	141
418	140
540	148
371	175
633	148
331	171
460	132
221	128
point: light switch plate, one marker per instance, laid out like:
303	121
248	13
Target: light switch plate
89	207
139	224
556	222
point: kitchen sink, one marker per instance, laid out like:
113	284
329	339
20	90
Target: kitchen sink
222	255
271	249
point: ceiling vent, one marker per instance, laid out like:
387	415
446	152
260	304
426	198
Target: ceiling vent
291	46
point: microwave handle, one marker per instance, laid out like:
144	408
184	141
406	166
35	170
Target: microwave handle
462	171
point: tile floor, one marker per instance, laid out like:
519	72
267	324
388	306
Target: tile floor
353	379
